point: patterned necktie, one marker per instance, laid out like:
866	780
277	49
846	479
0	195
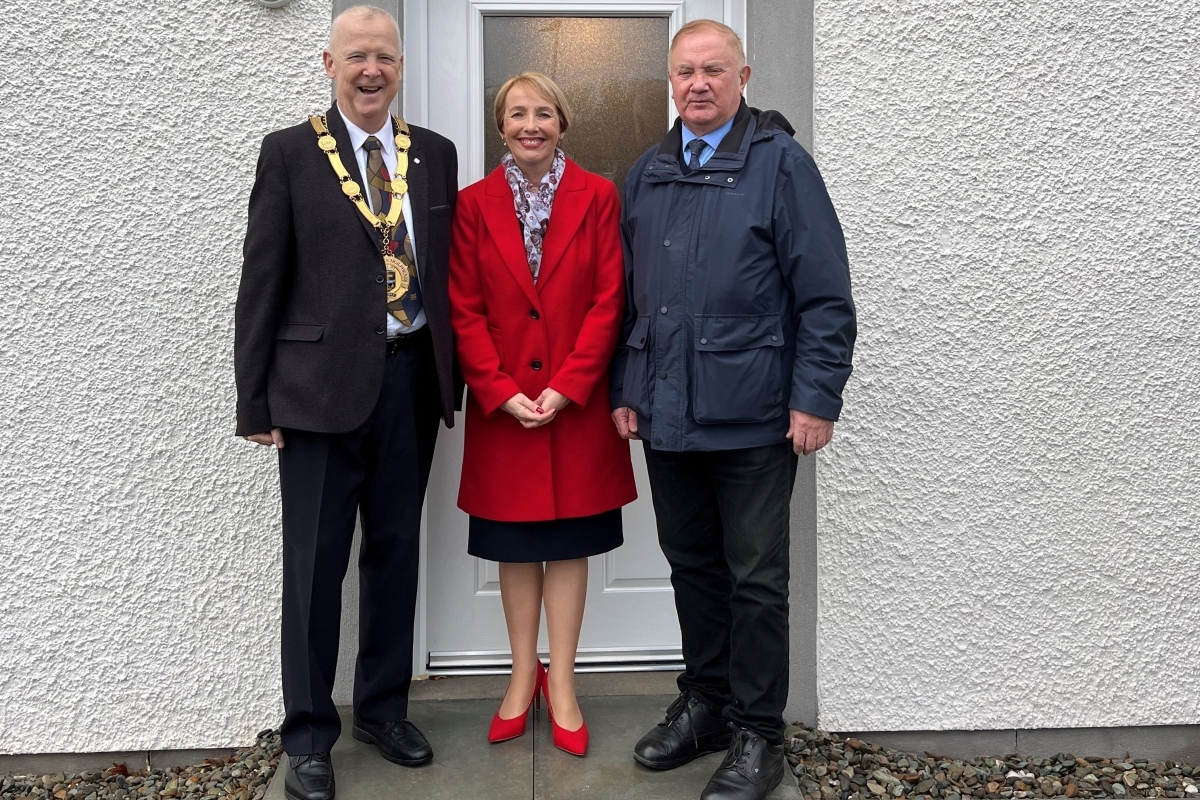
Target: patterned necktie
694	147
379	191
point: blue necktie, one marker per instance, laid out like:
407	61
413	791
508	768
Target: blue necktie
694	147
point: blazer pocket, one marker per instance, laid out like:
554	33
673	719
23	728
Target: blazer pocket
438	210
299	332
738	369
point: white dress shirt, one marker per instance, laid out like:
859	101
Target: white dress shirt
387	141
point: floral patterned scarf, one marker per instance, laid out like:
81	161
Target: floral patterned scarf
533	204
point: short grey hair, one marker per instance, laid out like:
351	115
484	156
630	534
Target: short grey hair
711	26
365	12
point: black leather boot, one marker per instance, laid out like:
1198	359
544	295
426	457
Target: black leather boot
692	728
751	769
398	741
309	777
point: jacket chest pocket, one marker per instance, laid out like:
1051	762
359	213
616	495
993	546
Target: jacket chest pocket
635	389
738	372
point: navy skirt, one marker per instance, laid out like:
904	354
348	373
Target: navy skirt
549	540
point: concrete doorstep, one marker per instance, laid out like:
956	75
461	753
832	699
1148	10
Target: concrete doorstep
466	767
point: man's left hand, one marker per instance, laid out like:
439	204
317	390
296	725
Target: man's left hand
809	433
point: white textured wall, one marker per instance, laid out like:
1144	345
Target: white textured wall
1008	517
139	565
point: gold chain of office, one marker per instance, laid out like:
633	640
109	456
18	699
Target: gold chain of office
397	268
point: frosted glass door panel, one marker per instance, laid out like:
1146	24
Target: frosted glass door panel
612	69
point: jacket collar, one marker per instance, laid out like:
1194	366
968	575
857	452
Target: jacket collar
729	157
672	145
571	202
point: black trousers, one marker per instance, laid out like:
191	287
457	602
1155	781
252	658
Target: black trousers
723	526
379	470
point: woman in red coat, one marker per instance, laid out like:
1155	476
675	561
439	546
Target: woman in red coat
536	293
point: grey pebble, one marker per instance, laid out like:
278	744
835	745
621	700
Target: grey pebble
830	768
252	766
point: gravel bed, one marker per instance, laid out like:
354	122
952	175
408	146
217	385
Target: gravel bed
830	767
242	776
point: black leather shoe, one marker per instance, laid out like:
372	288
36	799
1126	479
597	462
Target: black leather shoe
751	769
398	741
309	777
692	728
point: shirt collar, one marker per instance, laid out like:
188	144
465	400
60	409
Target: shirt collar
358	135
712	138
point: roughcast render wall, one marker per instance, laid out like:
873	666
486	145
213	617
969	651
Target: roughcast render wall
1009	513
139	574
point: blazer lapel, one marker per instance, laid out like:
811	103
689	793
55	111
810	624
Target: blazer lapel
418	198
501	219
571	203
346	150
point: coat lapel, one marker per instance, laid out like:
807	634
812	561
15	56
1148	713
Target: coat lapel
571	203
346	150
501	219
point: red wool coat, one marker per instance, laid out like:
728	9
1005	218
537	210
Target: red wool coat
513	336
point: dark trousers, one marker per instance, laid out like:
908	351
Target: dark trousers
723	526
379	470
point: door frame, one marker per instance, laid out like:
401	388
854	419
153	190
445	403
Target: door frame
420	78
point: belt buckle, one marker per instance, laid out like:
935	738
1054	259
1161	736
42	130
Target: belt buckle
399	341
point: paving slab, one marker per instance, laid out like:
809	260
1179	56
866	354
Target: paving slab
464	765
609	771
467	767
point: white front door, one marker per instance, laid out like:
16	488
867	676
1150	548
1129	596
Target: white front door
610	58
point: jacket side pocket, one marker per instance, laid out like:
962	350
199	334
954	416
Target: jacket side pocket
299	332
738	369
635	389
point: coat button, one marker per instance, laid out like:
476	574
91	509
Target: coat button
666	242
379	279
704	341
662	310
774	338
658	440
382	329
642	340
662	376
533	313
730	180
536	365
707	177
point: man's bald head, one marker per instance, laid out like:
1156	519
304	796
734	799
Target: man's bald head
364	61
356	14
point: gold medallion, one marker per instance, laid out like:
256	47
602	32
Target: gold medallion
402	141
350	188
397	278
327	143
399	187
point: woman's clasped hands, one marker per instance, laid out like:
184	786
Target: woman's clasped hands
536	413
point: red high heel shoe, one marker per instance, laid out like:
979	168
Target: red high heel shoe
501	730
574	742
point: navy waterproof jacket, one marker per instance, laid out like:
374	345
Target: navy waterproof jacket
738	299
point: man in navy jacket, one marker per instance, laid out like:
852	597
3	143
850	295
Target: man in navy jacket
737	343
